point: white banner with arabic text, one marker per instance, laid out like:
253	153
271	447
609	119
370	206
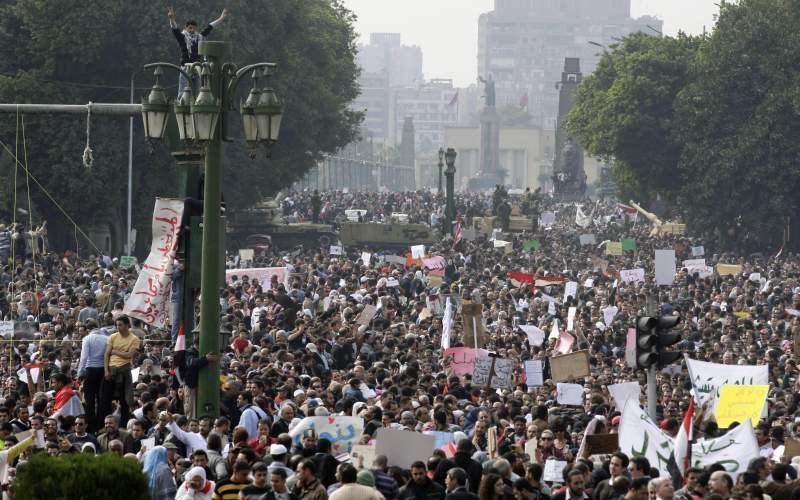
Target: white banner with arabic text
639	436
149	300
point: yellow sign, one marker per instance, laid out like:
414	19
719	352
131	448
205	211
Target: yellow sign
740	402
614	248
728	269
742	314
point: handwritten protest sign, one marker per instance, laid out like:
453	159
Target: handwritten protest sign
570	290
535	335
554	470
587	239
402	448
342	432
264	275
471	315
6	329
462	359
246	255
614	248
569	394
417	251
631	275
363	455
127	261
574	365
339	250
698	251
728	269
366	314
149	299
740	402
493	372
534	374
365	258
597	444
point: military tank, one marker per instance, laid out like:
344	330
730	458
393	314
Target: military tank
263	225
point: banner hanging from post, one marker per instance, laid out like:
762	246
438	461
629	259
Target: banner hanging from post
149	299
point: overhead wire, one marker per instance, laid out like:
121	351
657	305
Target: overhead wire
50	197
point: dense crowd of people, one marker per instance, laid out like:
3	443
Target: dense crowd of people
301	348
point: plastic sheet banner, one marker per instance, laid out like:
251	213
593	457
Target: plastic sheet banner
149	299
342	432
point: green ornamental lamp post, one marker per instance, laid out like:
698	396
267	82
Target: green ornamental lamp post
203	119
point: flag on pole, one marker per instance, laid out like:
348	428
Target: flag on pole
453	101
180	342
458	232
683	451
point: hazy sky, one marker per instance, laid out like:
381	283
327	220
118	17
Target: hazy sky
447	30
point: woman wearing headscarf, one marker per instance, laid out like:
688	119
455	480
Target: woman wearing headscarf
159	475
196	486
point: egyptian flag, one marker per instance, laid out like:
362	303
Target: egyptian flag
544	281
180	353
66	403
522	277
682	454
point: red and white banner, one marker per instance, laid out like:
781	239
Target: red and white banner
149	300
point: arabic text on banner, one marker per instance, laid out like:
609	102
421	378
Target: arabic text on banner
639	436
342	432
149	300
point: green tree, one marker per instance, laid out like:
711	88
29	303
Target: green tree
97	45
740	164
625	111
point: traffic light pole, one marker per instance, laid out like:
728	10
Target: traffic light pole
652	393
652	389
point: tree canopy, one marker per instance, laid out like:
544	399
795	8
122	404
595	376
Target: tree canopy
707	122
73	52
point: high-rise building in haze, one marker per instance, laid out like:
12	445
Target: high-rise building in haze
523	43
385	54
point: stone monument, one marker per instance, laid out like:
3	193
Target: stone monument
491	173
569	177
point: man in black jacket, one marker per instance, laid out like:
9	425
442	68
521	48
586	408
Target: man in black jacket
456	483
189	39
190	372
462	459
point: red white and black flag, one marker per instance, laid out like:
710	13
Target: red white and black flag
680	460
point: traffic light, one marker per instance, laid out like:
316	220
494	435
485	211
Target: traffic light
653	335
667	338
646	341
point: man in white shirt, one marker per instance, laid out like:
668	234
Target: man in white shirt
192	440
